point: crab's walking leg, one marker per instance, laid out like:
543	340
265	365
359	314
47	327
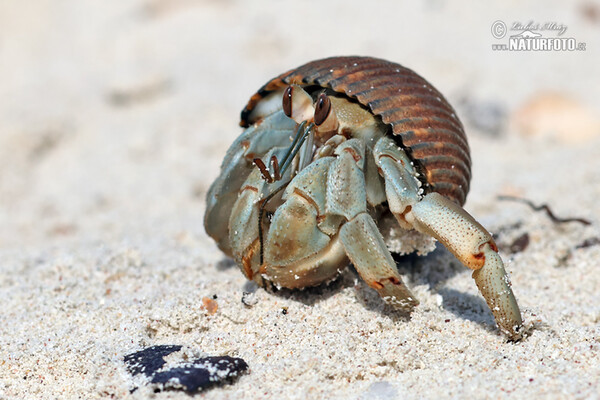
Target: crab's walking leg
364	245
475	248
439	217
371	258
324	218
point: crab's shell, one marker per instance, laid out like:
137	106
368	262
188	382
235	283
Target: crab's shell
420	119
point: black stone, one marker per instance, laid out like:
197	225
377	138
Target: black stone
190	376
201	374
149	360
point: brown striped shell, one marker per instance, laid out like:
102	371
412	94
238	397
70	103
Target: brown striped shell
422	121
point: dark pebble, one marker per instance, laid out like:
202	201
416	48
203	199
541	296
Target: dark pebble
190	376
201	374
149	360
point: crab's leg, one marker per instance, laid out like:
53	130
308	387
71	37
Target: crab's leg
472	244
371	258
439	217
323	219
364	245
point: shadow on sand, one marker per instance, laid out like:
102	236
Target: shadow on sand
433	270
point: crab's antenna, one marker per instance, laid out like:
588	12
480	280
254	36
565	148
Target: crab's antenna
299	133
294	150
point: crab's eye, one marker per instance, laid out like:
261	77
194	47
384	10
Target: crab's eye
297	104
287	101
322	109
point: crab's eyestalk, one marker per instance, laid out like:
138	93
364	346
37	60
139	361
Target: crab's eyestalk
297	104
325	118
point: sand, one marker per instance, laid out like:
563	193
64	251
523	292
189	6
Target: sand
114	118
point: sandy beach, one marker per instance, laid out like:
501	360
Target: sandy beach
114	120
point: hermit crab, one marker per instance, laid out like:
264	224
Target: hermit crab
330	150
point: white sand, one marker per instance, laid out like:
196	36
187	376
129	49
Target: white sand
114	119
